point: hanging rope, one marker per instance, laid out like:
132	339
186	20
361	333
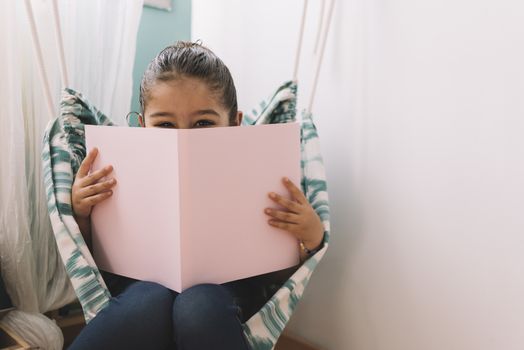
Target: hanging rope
320	24
60	42
40	58
300	37
321	57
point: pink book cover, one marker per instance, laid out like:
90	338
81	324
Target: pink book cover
188	204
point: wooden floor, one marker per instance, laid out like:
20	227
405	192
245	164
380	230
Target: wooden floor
290	342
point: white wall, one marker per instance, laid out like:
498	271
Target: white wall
421	115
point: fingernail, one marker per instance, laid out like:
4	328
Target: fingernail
272	195
286	179
268	211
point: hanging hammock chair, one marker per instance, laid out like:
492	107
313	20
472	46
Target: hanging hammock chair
64	150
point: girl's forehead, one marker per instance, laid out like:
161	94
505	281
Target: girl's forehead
181	96
181	92
181	86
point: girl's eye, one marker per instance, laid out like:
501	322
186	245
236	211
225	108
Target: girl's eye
164	125
199	124
204	123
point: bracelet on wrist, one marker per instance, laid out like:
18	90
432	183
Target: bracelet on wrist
309	252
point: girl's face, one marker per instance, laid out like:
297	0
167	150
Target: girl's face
185	103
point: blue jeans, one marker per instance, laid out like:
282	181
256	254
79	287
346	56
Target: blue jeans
146	315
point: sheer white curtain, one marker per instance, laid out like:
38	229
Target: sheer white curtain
99	39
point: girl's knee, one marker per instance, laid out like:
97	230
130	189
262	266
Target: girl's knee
204	290
202	303
140	313
204	315
150	295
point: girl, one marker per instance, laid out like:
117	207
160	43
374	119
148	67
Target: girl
185	86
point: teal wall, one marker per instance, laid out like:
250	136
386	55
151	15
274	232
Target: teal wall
157	30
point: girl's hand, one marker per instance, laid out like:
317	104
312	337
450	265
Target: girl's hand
87	190
300	219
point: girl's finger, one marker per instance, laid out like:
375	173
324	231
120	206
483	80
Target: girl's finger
284	225
286	203
283	215
95	176
97	198
83	170
96	188
295	191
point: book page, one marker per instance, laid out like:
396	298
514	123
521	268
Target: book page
136	231
225	176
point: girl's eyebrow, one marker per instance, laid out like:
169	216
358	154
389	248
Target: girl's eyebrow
161	114
196	113
205	112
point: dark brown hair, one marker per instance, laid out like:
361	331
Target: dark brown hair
193	60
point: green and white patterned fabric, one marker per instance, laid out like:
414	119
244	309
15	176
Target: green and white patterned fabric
64	150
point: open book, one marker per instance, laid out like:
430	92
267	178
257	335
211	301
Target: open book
188	206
